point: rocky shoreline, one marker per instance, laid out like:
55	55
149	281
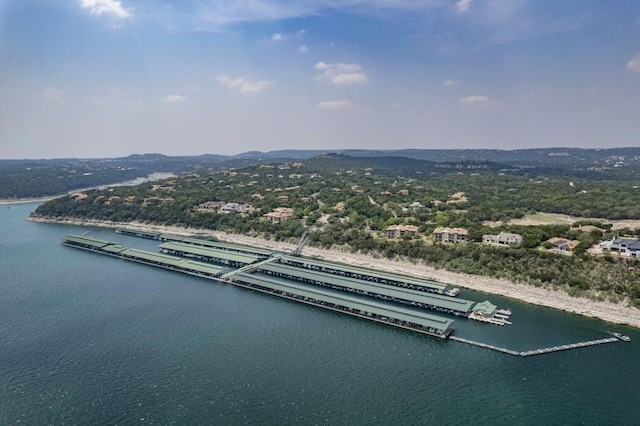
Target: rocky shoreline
615	313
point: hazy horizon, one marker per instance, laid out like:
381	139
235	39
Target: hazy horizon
108	78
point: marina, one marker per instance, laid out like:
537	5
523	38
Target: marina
361	295
343	270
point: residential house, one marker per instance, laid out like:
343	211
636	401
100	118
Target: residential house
210	205
279	214
235	208
450	235
503	239
397	231
562	245
626	246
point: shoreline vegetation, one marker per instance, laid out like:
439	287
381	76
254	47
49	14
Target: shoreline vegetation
557	299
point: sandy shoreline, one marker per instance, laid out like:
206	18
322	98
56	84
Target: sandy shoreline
10	201
618	314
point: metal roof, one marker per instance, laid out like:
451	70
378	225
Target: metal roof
210	252
406	294
206	268
114	248
368	272
227	246
348	300
175	261
153	257
485	308
89	241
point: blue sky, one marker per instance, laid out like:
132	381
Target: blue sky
103	78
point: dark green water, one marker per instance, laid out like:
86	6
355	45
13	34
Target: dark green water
87	339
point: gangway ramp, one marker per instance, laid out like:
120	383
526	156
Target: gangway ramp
250	268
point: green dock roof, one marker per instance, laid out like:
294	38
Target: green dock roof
351	301
445	302
88	241
174	261
153	257
485	308
418	282
206	268
211	252
228	246
114	248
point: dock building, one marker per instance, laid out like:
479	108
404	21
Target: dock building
370	275
406	296
220	253
178	264
350	304
209	254
364	307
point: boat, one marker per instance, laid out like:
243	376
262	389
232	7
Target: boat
506	312
452	292
622	337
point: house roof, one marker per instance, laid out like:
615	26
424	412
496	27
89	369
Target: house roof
458	231
410	228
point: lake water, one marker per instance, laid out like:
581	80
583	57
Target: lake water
89	339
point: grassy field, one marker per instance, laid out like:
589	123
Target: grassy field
563	219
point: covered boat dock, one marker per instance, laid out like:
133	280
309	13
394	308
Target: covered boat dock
406	296
356	305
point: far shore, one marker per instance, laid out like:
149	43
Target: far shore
614	313
151	177
10	201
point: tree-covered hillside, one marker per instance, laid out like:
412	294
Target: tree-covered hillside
350	202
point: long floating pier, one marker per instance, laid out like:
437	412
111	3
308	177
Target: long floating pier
537	351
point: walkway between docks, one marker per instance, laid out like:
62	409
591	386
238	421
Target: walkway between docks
250	267
536	351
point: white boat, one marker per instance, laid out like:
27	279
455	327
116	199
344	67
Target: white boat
622	337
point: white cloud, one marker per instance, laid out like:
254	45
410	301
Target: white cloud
336	105
109	7
303	49
174	99
287	36
451	83
463	5
341	73
212	15
634	63
244	85
53	94
474	100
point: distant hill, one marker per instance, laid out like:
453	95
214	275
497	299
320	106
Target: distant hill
38	178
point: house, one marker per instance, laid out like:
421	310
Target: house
397	231
210	205
279	214
626	246
562	245
235	208
503	239
450	235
